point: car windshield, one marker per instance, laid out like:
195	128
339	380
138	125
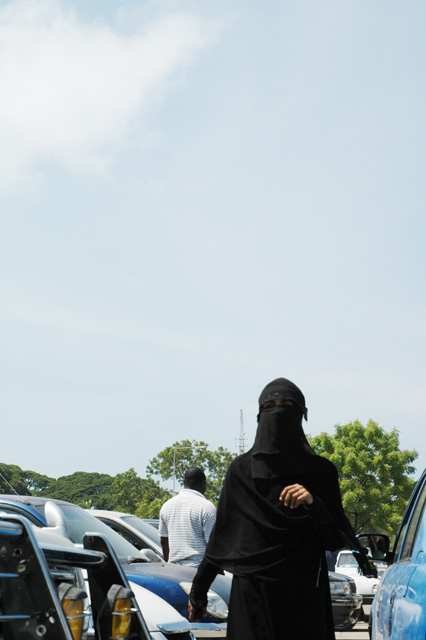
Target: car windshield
148	530
80	522
347	560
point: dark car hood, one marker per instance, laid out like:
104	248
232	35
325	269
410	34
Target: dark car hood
339	577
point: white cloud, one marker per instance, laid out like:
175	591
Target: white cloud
72	91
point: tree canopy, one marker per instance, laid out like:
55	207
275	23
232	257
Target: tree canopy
87	489
133	494
13	479
187	453
374	474
123	492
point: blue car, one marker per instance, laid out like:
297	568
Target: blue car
168	581
399	608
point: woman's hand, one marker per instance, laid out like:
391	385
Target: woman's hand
196	614
295	495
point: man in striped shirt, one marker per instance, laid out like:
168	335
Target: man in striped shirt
186	521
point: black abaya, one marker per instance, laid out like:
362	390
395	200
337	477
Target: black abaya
280	583
277	554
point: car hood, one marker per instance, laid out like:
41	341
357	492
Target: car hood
339	577
163	578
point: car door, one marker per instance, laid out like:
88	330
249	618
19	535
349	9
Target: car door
400	607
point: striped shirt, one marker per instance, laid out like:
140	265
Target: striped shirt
187	521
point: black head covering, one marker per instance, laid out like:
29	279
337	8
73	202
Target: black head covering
286	390
280	446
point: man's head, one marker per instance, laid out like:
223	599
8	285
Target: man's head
195	479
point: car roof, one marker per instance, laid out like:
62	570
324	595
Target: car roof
105	512
29	500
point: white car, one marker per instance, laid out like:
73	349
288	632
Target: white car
366	586
138	532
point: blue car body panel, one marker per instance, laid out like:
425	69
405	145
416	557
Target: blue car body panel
162	578
399	608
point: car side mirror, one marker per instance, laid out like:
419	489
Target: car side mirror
55	518
150	556
375	545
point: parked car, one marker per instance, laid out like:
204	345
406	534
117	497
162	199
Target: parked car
138	532
345	603
366	586
399	608
44	594
143	569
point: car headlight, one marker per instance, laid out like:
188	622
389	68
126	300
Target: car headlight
216	605
340	588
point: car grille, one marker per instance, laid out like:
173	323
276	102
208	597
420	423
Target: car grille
353	586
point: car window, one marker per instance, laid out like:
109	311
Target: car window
146	529
413	525
126	534
346	560
400	539
80	521
5	508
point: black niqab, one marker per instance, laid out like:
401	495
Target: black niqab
280	442
285	390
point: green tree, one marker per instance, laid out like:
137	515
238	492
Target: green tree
37	483
83	488
374	473
129	491
214	464
13	480
151	508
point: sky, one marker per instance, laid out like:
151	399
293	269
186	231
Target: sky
197	197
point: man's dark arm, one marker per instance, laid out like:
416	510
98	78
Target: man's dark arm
205	575
165	547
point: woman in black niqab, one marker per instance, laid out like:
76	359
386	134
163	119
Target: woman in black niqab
279	510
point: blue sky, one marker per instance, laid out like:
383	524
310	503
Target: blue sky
196	198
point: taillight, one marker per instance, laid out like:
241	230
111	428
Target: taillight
122	614
114	620
72	602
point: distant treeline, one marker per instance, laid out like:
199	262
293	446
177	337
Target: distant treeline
123	492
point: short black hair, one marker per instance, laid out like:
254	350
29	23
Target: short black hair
194	477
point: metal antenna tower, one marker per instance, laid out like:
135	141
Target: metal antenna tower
242	439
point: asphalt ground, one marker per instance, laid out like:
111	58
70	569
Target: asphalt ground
359	632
